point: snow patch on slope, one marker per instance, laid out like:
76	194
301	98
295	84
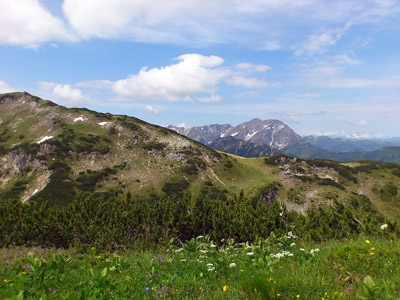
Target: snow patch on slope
45	139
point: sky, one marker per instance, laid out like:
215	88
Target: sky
324	67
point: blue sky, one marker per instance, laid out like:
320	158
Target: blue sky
322	67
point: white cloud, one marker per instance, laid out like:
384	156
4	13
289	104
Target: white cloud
250	83
64	93
29	23
5	88
361	122
259	24
150	109
194	74
318	42
181	125
210	99
252	68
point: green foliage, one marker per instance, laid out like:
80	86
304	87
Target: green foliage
388	191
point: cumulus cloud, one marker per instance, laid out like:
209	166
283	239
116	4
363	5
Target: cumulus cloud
181	125
361	122
194	74
64	93
250	83
150	109
5	88
29	23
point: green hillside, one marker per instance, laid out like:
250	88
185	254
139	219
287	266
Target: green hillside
54	155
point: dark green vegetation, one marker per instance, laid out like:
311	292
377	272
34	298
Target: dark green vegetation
107	222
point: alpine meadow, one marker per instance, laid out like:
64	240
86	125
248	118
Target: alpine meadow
243	150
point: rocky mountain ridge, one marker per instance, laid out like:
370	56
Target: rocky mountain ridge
272	133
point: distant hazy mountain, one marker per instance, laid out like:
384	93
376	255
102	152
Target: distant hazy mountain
347	145
307	150
273	133
235	146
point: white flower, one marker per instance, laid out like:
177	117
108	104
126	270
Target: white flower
232	265
213	246
250	253
209	265
384	226
183	259
302	249
314	250
203	251
292	244
199	237
211	269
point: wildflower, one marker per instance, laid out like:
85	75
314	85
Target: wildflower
278	295
373	248
250	253
298	296
314	250
28	266
292	244
302	249
224	288
384	226
367	241
99	256
211	269
241	270
203	251
232	265
5	280
372	253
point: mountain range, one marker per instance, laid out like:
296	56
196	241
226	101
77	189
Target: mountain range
258	138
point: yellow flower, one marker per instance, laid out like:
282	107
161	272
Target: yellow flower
99	256
372	253
224	288
298	296
373	248
322	298
5	280
278	295
241	270
367	241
